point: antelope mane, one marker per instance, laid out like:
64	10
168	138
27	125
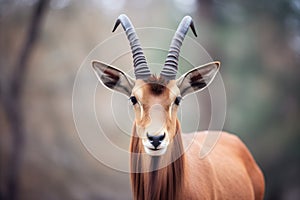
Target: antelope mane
157	177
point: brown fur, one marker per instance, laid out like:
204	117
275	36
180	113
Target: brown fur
227	172
157	84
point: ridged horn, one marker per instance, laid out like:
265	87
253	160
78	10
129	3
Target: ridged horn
141	69
171	64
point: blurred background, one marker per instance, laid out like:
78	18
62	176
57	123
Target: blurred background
43	43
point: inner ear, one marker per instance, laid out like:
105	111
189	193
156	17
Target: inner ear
113	78
197	79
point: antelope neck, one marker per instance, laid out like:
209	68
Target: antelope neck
151	181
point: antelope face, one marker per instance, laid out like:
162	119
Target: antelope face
155	104
155	100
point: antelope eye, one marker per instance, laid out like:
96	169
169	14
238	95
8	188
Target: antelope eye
133	100
177	100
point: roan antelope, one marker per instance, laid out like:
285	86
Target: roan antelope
228	172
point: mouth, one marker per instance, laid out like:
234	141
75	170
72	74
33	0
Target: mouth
155	151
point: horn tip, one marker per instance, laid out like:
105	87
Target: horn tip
121	18
116	25
190	20
193	28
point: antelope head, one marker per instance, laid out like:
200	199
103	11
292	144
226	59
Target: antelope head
155	99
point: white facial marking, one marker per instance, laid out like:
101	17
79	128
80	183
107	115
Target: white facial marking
156	127
139	93
158	118
170	111
159	152
137	90
161	149
174	92
142	110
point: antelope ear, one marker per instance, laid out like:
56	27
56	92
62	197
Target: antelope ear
197	79
113	78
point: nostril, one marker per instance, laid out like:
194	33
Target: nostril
162	137
149	137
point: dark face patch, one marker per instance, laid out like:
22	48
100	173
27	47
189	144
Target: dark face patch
157	85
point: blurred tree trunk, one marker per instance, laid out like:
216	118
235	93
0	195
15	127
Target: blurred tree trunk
11	98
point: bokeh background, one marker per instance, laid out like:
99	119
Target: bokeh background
43	43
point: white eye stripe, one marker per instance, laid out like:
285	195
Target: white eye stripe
139	93
170	110
142	110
